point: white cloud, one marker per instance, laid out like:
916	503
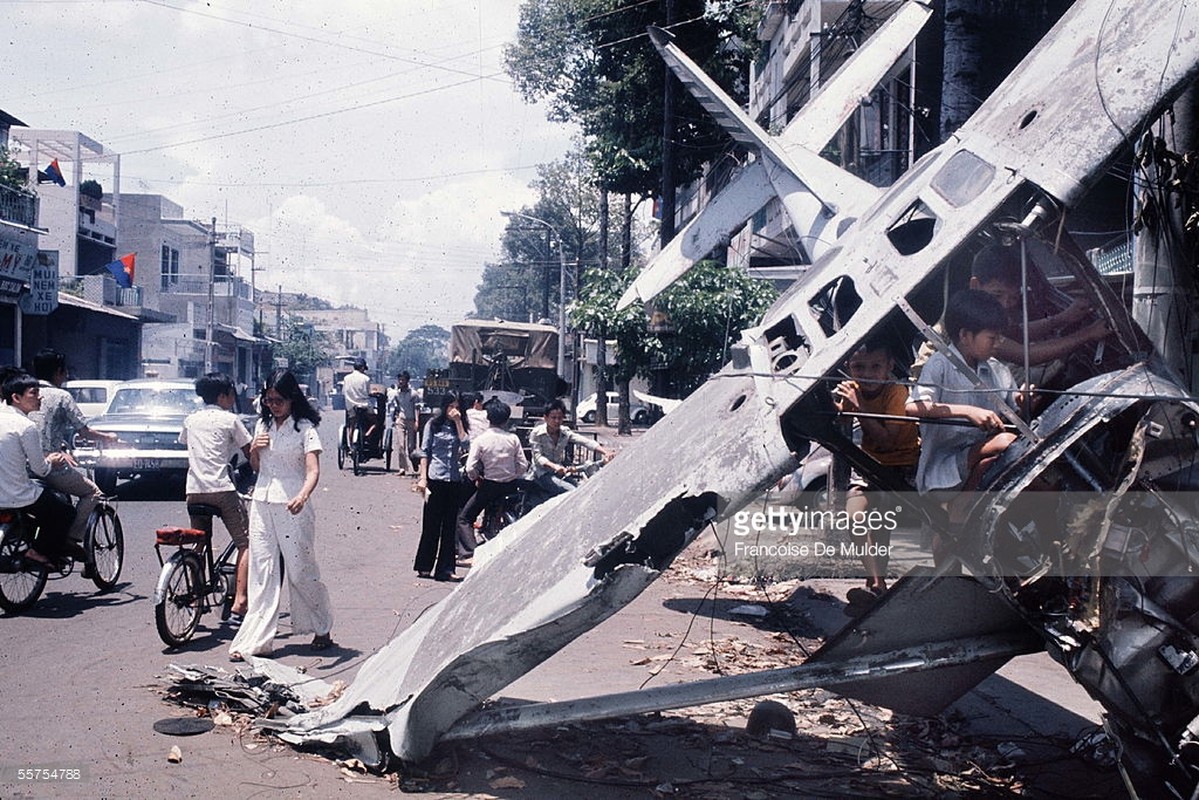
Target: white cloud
374	143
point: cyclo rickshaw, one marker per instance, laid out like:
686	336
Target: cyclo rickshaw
365	439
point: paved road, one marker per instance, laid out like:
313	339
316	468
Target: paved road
79	670
81	685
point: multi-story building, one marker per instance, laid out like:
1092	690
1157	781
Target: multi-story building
82	227
198	277
19	233
344	335
77	237
351	332
803	43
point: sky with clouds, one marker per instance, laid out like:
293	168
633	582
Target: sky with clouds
370	145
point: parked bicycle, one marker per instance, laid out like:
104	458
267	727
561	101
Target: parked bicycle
22	580
192	582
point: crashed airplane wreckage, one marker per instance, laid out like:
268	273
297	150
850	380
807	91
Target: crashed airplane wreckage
1102	578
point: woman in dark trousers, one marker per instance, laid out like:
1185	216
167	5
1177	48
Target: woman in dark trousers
443	446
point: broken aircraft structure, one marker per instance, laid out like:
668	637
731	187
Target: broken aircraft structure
1102	577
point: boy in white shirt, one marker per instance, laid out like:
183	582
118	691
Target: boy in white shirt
213	435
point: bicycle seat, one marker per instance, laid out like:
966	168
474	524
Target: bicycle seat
179	536
203	510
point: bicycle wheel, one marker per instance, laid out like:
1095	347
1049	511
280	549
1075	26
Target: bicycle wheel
177	613
104	546
21	580
341	448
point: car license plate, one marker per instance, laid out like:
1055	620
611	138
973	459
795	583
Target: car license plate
147	463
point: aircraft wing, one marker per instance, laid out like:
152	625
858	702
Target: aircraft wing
792	163
1067	110
748	191
819	120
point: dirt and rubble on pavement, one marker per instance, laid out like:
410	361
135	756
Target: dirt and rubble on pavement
815	744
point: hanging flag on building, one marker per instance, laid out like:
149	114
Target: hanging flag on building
51	174
657	212
122	270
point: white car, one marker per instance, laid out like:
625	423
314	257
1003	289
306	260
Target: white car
148	416
92	397
637	412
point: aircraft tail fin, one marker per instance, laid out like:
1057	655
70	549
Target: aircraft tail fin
822	116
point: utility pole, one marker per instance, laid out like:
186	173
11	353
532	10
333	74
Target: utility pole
208	343
561	285
279	314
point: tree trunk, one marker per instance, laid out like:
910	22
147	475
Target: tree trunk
984	41
601	354
669	136
623	426
961	89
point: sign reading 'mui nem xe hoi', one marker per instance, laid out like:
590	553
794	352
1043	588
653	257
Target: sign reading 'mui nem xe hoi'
42	297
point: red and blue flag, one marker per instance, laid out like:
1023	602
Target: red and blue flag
51	174
122	270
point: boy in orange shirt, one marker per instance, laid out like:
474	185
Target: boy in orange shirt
872	389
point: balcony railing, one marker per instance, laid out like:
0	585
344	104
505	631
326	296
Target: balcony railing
18	206
103	290
198	284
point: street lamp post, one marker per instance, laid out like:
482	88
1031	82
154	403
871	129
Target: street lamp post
561	286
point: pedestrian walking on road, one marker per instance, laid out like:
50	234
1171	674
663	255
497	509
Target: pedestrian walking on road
402	416
286	452
444	443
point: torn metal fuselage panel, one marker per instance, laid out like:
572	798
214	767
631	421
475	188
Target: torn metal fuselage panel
549	577
1039	142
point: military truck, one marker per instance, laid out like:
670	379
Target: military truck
516	361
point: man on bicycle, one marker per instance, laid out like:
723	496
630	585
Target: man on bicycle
21	453
549	441
213	436
58	421
356	388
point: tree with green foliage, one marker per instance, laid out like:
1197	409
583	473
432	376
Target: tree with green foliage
304	348
524	285
593	62
421	350
12	174
706	312
91	188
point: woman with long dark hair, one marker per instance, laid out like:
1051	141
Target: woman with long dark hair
442	448
286	452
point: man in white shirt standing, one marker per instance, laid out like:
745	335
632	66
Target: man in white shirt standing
213	436
20	454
